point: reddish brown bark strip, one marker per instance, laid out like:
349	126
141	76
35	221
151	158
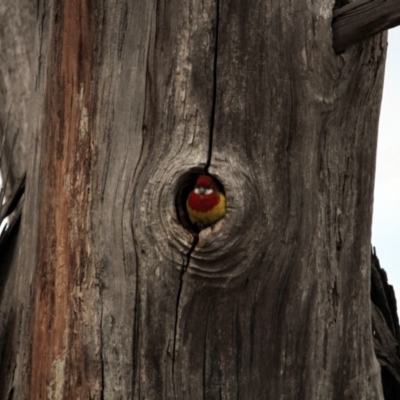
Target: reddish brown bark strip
360	20
64	245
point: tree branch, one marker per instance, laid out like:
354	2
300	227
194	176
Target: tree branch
360	20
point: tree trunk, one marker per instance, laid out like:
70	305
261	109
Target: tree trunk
109	296
17	73
385	330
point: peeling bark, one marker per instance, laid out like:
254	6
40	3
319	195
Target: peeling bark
64	294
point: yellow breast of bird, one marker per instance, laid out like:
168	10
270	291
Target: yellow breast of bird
210	216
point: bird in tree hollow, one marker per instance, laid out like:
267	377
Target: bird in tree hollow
205	203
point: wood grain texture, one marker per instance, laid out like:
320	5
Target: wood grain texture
9	241
17	78
362	19
294	144
17	71
273	302
385	329
65	329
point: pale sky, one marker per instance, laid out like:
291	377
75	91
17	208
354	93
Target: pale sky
386	222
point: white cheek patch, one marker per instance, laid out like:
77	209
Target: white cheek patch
205	192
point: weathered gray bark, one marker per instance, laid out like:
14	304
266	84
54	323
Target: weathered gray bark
17	73
385	330
109	300
362	19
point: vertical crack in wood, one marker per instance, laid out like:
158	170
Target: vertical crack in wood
205	358
214	96
184	268
101	355
135	351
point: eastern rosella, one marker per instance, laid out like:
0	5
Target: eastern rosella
205	203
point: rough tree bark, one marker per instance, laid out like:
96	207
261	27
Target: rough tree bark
362	19
17	66
107	296
385	330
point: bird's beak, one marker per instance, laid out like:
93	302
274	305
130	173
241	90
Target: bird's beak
202	190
